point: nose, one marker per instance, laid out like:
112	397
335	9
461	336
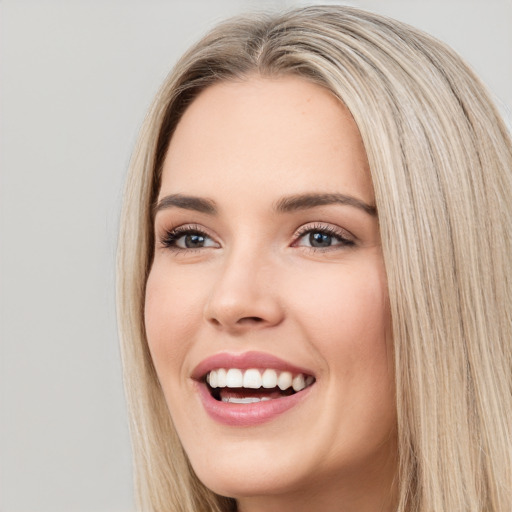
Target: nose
244	297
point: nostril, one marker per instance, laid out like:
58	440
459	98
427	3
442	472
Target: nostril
242	323
250	320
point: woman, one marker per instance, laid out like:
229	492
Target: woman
314	275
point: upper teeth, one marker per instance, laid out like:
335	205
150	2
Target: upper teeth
254	379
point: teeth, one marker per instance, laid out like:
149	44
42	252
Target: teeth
221	378
249	400
269	379
213	379
298	383
284	381
234	378
254	379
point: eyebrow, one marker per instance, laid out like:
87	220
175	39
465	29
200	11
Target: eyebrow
284	205
197	204
305	201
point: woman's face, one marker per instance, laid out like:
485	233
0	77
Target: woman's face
268	274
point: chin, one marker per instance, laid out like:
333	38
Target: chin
245	482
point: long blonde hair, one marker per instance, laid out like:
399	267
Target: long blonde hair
441	165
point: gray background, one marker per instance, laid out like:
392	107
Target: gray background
76	79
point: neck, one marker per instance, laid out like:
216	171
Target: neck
372	491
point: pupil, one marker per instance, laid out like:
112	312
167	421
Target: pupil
320	240
192	241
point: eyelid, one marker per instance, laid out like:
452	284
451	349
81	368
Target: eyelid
342	234
169	236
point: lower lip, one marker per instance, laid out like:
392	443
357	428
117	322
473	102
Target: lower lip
248	415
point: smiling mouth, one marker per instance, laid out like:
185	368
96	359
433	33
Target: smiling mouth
253	385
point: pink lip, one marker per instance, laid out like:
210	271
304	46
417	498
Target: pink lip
245	361
246	415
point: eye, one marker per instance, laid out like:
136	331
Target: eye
323	237
187	238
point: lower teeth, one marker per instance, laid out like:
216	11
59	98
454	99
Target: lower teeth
248	400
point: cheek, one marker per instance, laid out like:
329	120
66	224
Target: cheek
170	312
349	323
350	305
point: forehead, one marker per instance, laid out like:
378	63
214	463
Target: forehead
276	134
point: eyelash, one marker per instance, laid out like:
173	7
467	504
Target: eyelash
338	234
170	237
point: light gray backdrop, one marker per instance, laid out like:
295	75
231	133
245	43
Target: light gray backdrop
76	79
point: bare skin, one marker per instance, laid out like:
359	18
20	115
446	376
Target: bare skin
278	252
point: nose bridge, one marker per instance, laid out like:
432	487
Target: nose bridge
244	294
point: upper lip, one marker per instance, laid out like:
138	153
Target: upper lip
245	361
